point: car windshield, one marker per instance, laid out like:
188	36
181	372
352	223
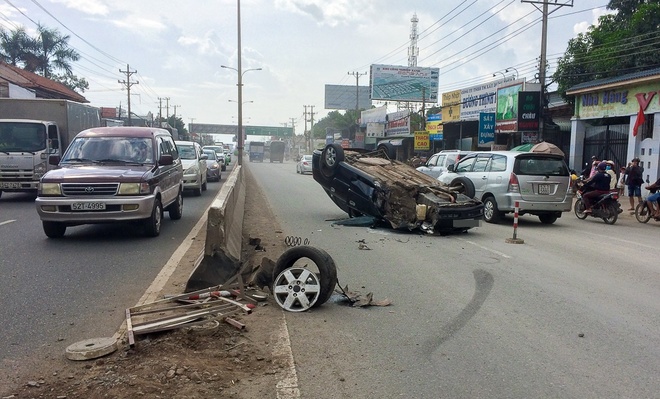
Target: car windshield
211	154
541	166
110	149
186	151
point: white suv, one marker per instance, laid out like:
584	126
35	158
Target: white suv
194	166
439	161
539	182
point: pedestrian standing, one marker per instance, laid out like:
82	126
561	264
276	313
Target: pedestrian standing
634	181
622	181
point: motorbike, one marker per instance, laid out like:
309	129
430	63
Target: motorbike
643	212
606	207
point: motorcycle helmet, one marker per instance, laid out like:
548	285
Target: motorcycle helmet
602	166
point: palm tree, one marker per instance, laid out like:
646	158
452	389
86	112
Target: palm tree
48	52
12	45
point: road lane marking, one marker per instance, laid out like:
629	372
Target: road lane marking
484	248
7	222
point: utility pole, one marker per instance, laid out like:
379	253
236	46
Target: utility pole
128	85
167	110
174	116
191	127
160	112
306	134
544	40
311	126
357	99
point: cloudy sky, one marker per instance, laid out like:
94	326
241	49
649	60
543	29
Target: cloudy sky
178	47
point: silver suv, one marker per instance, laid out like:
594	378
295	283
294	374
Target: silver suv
439	161
540	183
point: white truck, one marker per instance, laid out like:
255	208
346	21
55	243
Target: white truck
33	129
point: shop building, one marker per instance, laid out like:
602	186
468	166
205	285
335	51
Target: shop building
618	119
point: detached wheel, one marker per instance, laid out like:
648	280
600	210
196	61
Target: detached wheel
330	157
579	210
297	286
54	229
152	225
176	208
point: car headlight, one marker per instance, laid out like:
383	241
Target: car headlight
134	188
40	169
50	189
193	170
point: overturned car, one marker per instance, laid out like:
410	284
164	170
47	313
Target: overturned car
363	182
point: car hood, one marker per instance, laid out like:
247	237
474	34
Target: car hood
103	173
188	163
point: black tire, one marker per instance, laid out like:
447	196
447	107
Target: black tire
205	185
331	155
464	186
224	167
0	193
388	148
326	265
54	229
579	210
197	191
642	212
548	218
153	223
175	209
614	215
492	213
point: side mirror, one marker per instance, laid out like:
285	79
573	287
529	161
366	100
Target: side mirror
54	160
166	159
204	157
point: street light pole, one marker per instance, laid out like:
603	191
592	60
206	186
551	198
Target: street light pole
508	70
240	72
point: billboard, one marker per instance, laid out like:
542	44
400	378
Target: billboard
344	97
529	110
480	98
506	117
398	124
404	83
451	108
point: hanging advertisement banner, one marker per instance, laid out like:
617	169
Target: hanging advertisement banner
434	126
451	109
398	124
422	142
481	98
529	110
486	129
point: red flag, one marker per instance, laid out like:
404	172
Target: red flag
640	120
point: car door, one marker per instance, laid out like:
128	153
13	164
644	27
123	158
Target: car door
478	175
171	174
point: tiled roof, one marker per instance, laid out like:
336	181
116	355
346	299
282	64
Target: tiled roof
616	79
43	87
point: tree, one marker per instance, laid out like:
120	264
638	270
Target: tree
335	120
46	54
12	45
621	43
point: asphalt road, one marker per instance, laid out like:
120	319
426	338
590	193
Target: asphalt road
571	313
57	292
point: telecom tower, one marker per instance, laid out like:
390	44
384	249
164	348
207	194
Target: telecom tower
413	50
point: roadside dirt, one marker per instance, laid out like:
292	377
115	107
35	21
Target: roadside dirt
224	362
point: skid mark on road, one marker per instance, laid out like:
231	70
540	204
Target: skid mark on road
484	248
483	282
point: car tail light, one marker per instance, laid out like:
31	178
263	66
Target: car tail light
514	186
615	196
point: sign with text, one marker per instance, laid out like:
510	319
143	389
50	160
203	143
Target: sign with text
434	126
451	108
529	109
480	98
277	131
422	142
404	83
486	129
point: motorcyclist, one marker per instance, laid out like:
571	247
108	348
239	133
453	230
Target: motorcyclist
653	198
597	185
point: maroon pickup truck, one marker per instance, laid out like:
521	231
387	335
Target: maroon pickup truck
113	174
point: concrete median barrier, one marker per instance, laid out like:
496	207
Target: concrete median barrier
224	235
